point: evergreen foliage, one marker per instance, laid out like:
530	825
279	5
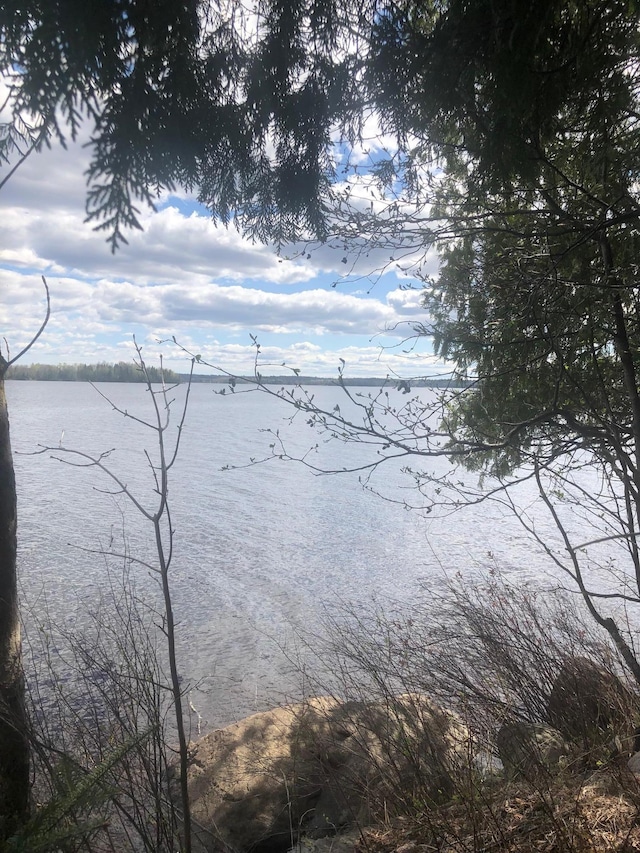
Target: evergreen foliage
186	93
517	131
537	292
69	821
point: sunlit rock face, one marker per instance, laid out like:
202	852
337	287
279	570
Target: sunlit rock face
318	767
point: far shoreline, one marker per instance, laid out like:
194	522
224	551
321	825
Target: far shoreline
128	373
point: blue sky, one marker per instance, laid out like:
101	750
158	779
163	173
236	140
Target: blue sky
183	276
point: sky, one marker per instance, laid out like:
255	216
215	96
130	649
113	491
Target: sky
185	277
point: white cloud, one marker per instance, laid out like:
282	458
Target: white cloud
205	303
304	356
43	227
184	275
172	247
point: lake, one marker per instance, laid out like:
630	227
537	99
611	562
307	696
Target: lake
261	552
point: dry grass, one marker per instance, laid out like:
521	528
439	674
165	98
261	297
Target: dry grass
601	814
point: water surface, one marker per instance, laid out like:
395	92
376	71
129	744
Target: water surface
261	552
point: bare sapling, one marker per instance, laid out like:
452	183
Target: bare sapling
158	516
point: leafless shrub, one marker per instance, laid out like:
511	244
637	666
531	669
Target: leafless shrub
486	651
107	687
488	654
99	691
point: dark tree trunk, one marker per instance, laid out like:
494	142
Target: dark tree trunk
14	746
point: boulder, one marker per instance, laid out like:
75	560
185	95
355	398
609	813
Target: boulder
633	764
317	767
586	697
527	749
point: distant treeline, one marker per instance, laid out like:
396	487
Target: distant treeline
128	372
292	379
121	372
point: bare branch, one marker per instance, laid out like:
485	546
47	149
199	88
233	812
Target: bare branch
38	333
33	147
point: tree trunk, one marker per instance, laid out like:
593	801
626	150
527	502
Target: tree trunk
14	746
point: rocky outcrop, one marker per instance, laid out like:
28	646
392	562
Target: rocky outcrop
592	715
317	767
586	697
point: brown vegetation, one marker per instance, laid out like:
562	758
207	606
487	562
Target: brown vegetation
502	658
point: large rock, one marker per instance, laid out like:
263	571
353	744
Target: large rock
317	767
586	698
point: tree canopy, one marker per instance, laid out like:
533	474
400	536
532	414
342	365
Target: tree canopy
233	103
